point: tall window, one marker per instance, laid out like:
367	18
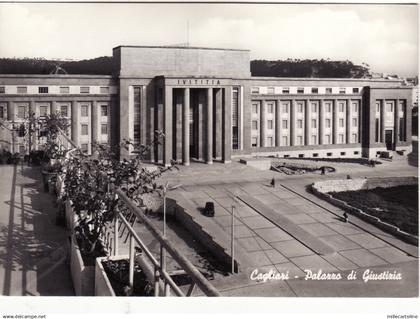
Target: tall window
235	120
21	111
104	128
255	125
270	141
284	141
300	107
84	111
255	108
314	107
299	140
354	121
270	124
377	131
85	129
341	122
313	123
285	108
328	107
341	107
64	110
341	138
43	110
327	139
254	141
270	108
314	140
284	124
299	123
354	138
104	110
2	112
327	123
136	115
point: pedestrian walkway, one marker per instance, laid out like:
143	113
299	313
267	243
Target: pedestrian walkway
33	249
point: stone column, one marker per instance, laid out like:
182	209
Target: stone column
209	104
263	123
307	122
143	116
348	122
32	115
382	103
396	123
167	126
360	127
217	122
227	125
321	121
75	122
292	122
178	125
334	121
278	123
186	128
95	121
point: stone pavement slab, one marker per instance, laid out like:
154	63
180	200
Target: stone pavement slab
292	248
363	258
318	229
256	222
392	255
273	234
298	232
313	263
367	241
340	242
340	262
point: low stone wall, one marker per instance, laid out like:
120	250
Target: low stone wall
262	163
321	189
344	185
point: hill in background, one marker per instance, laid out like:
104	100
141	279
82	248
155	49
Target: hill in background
279	68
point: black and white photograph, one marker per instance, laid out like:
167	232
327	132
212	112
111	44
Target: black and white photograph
204	149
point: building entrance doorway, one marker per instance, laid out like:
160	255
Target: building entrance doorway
389	140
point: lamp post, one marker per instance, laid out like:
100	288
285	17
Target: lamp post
232	243
165	189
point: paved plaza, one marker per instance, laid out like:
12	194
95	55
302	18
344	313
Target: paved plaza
33	249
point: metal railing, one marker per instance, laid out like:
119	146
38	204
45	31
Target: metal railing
155	270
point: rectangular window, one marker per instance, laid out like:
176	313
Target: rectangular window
299	140
328	90
285	108
85	129
269	141
355	90
2	112
341	138
378	107
355	121
301	155
104	89
315	155
284	124
2	90
270	108
104	128
84	111
314	90
254	108
270	90
43	111
104	110
254	141
22	89
284	141
327	123
84	148
355	107
300	90
341	122
21	111
341	107
64	90
329	154
64	110
255	90
313	123
43	89
314	140
299	123
300	107
356	152
270	124
327	139
402	130
342	90
377	132
255	125
342	153
327	107
389	107
84	90
285	90
354	138
314	107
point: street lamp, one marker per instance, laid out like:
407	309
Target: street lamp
165	189
232	243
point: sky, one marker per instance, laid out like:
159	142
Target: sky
383	36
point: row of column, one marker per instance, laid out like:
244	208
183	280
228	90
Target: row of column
396	119
308	118
226	135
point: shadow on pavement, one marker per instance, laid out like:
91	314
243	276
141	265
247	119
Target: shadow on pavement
35	248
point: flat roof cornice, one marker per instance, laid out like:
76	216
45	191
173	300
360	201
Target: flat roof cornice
178	47
56	76
263	78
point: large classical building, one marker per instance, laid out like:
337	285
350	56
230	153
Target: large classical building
211	108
